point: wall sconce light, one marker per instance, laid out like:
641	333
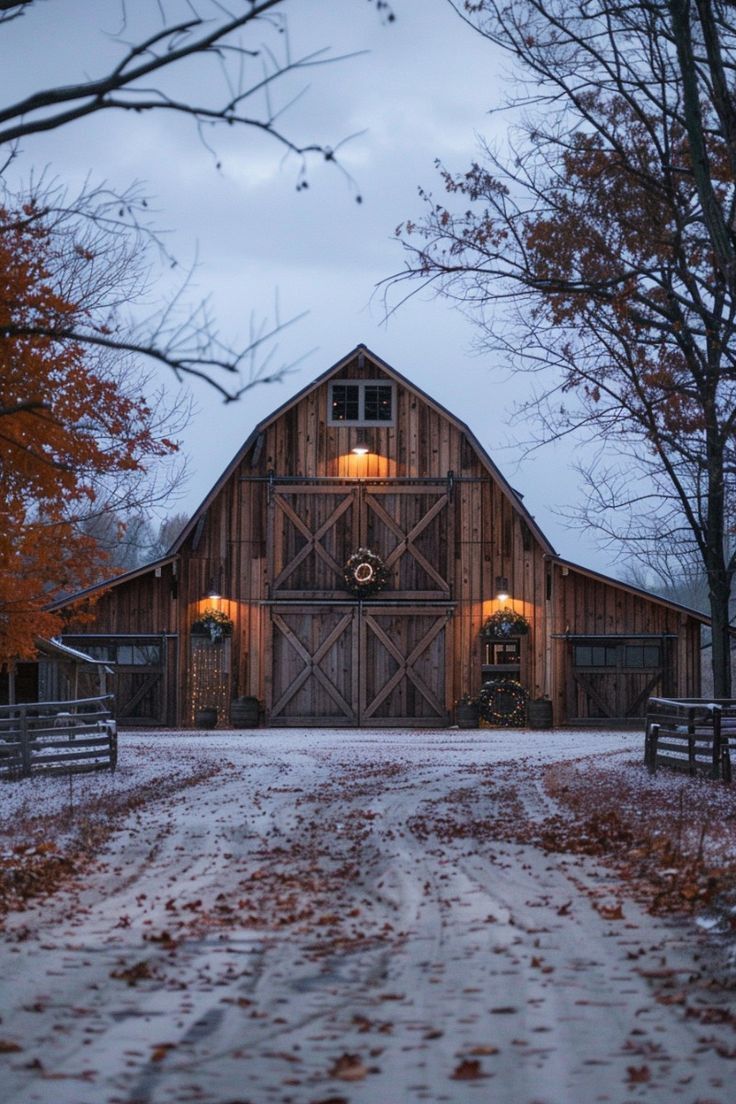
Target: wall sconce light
213	592
361	446
502	588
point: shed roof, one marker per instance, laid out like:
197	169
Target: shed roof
609	580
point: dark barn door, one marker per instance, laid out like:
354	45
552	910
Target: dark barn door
144	680
360	664
612	677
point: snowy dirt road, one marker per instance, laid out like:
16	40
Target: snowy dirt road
304	927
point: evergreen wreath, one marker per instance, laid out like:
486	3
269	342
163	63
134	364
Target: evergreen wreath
213	623
503	702
504	623
365	573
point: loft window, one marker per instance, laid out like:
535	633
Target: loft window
364	402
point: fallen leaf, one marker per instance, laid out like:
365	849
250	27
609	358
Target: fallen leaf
467	1070
348	1067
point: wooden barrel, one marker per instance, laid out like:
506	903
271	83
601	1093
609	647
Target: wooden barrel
466	715
539	713
244	713
205	718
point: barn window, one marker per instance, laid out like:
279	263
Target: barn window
364	402
600	655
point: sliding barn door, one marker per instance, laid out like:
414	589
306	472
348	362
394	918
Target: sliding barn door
402	666
358	665
314	665
338	661
314	529
409	526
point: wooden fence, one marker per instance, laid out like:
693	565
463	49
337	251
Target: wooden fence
691	734
57	737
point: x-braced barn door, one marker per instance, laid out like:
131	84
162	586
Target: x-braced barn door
314	665
358	664
316	527
402	666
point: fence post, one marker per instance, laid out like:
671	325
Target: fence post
25	748
692	766
726	756
715	769
651	749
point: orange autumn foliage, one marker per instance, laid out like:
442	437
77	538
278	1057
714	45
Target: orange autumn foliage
66	424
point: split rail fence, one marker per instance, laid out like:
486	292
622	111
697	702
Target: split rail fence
691	735
57	737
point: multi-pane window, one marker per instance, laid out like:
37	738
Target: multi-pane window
128	654
363	402
619	654
345	406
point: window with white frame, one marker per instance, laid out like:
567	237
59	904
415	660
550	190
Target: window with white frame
361	402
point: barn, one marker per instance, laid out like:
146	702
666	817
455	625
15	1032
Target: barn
272	590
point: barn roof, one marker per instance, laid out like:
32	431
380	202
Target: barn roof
363	350
598	576
113	580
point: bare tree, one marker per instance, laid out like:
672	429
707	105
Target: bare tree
607	230
248	77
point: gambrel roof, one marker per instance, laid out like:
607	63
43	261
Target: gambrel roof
382	366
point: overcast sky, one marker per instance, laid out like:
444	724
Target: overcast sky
420	89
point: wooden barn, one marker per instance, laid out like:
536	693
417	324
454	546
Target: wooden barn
362	459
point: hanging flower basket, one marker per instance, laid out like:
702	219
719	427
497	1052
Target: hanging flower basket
365	573
503	702
214	624
505	623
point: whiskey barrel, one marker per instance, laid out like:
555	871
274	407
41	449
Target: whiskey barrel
539	713
244	713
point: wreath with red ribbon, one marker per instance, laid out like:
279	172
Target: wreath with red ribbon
365	573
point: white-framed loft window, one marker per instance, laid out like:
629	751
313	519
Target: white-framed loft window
361	402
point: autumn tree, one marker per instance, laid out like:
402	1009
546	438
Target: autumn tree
76	433
606	227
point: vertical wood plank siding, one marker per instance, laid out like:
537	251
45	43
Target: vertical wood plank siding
484	534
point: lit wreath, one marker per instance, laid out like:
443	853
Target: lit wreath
365	573
503	702
505	623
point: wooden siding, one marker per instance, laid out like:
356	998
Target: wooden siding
298	502
588	607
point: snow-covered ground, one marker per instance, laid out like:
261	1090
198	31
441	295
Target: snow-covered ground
307	917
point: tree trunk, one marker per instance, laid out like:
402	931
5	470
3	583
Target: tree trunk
717	566
720	592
